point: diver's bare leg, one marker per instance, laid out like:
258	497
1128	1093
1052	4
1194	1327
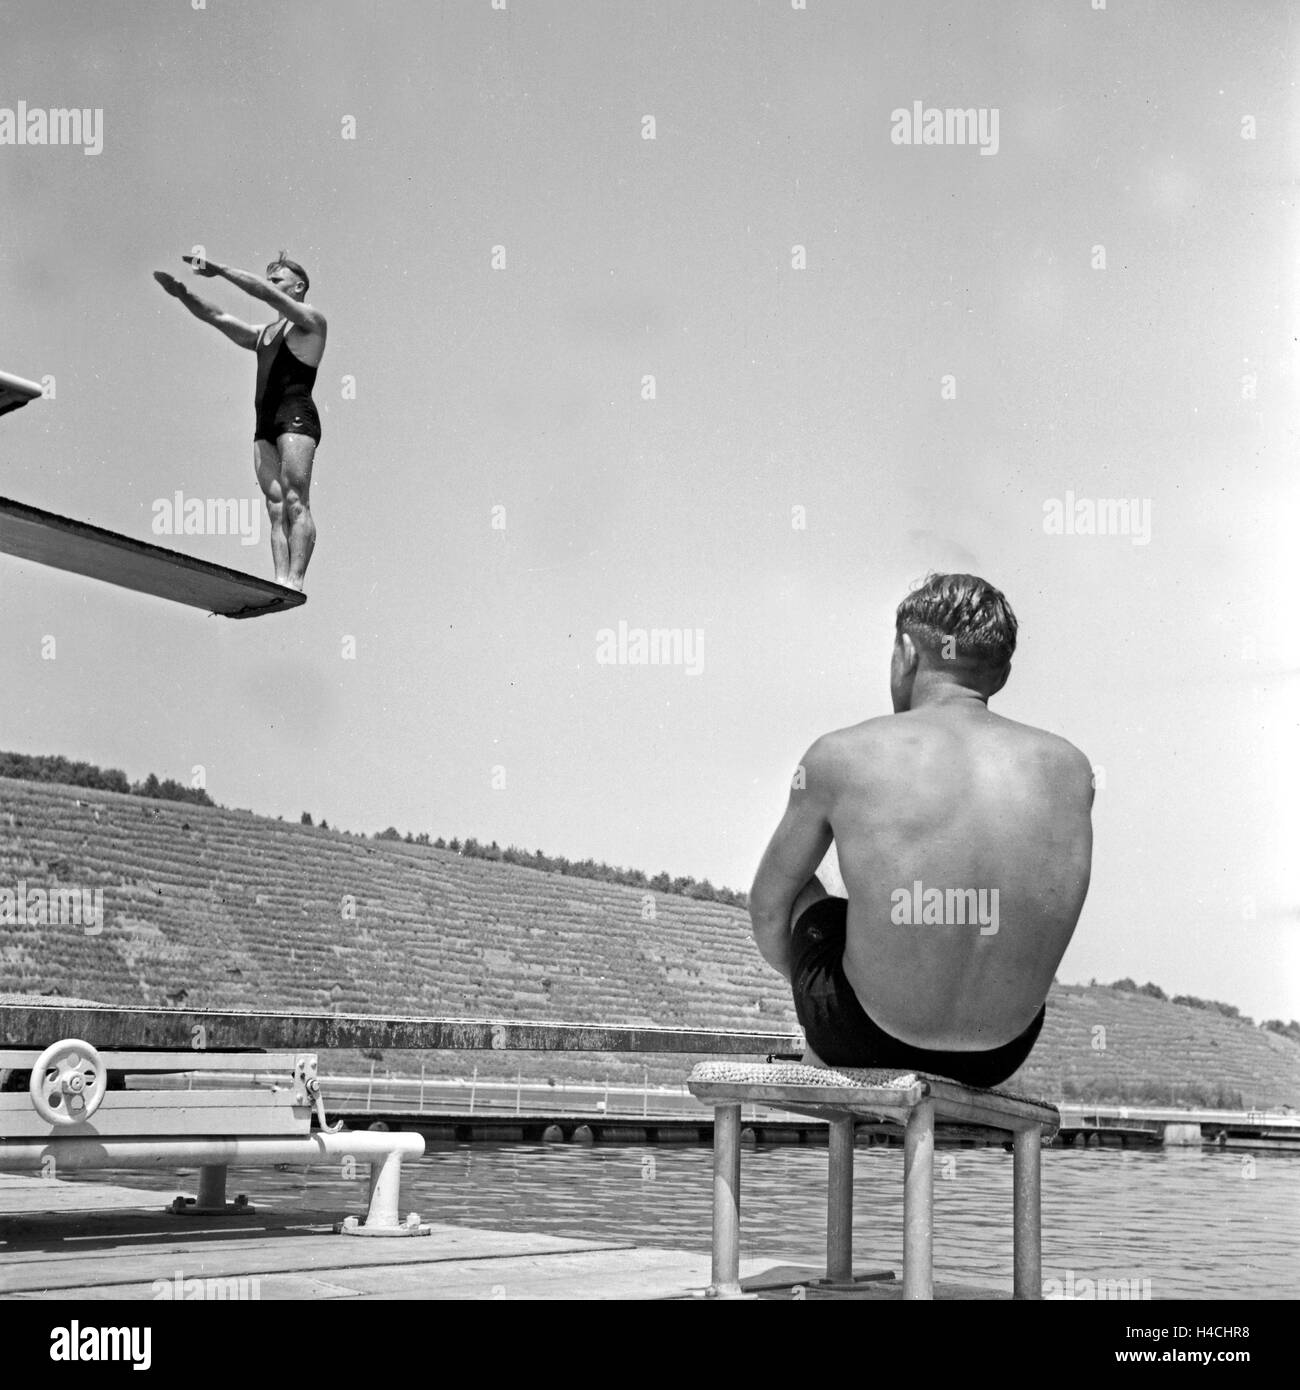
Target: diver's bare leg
297	454
266	464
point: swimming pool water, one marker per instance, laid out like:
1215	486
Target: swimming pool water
1183	1223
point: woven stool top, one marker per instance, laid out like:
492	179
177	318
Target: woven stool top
879	1088
800	1074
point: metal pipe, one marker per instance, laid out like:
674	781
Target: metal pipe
918	1202
20	1155
726	1201
1027	1213
839	1201
212	1187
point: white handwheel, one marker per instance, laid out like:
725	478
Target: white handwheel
68	1082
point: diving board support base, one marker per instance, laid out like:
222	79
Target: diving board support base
918	1104
381	1215
211	1197
212	1187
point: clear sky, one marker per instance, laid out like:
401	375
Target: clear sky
950	360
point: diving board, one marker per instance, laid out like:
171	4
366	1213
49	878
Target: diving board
46	539
16	392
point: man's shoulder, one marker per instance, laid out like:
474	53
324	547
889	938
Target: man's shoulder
1053	750
1053	745
315	328
853	736
841	749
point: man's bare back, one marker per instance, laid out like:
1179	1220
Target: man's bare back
964	841
953	797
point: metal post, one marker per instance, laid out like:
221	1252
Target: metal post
385	1188
839	1202
421	1085
519	1090
726	1201
1027	1213
212	1187
370	1089
918	1202
473	1086
645	1092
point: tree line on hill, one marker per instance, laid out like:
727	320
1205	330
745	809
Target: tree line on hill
31	767
1212	1095
682	886
1271	1025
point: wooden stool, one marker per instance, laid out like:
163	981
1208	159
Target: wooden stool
844	1096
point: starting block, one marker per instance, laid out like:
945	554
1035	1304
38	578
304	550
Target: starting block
846	1097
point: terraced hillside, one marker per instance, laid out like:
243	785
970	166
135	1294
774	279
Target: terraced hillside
223	909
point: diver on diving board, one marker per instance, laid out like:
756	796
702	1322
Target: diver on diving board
288	428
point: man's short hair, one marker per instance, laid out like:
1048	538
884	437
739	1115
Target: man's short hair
283	260
966	609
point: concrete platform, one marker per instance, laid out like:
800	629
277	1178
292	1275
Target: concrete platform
90	1241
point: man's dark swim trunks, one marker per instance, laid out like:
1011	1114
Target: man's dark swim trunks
284	404
838	1029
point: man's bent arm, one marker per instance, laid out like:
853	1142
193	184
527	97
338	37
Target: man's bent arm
303	315
790	860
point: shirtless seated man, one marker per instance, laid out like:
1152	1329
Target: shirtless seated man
965	844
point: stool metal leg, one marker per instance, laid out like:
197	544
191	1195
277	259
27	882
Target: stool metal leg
726	1201
839	1202
1027	1209
918	1202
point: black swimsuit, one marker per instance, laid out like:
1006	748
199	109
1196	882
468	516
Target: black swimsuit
283	403
840	1031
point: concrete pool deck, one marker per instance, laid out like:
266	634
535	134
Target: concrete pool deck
90	1241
